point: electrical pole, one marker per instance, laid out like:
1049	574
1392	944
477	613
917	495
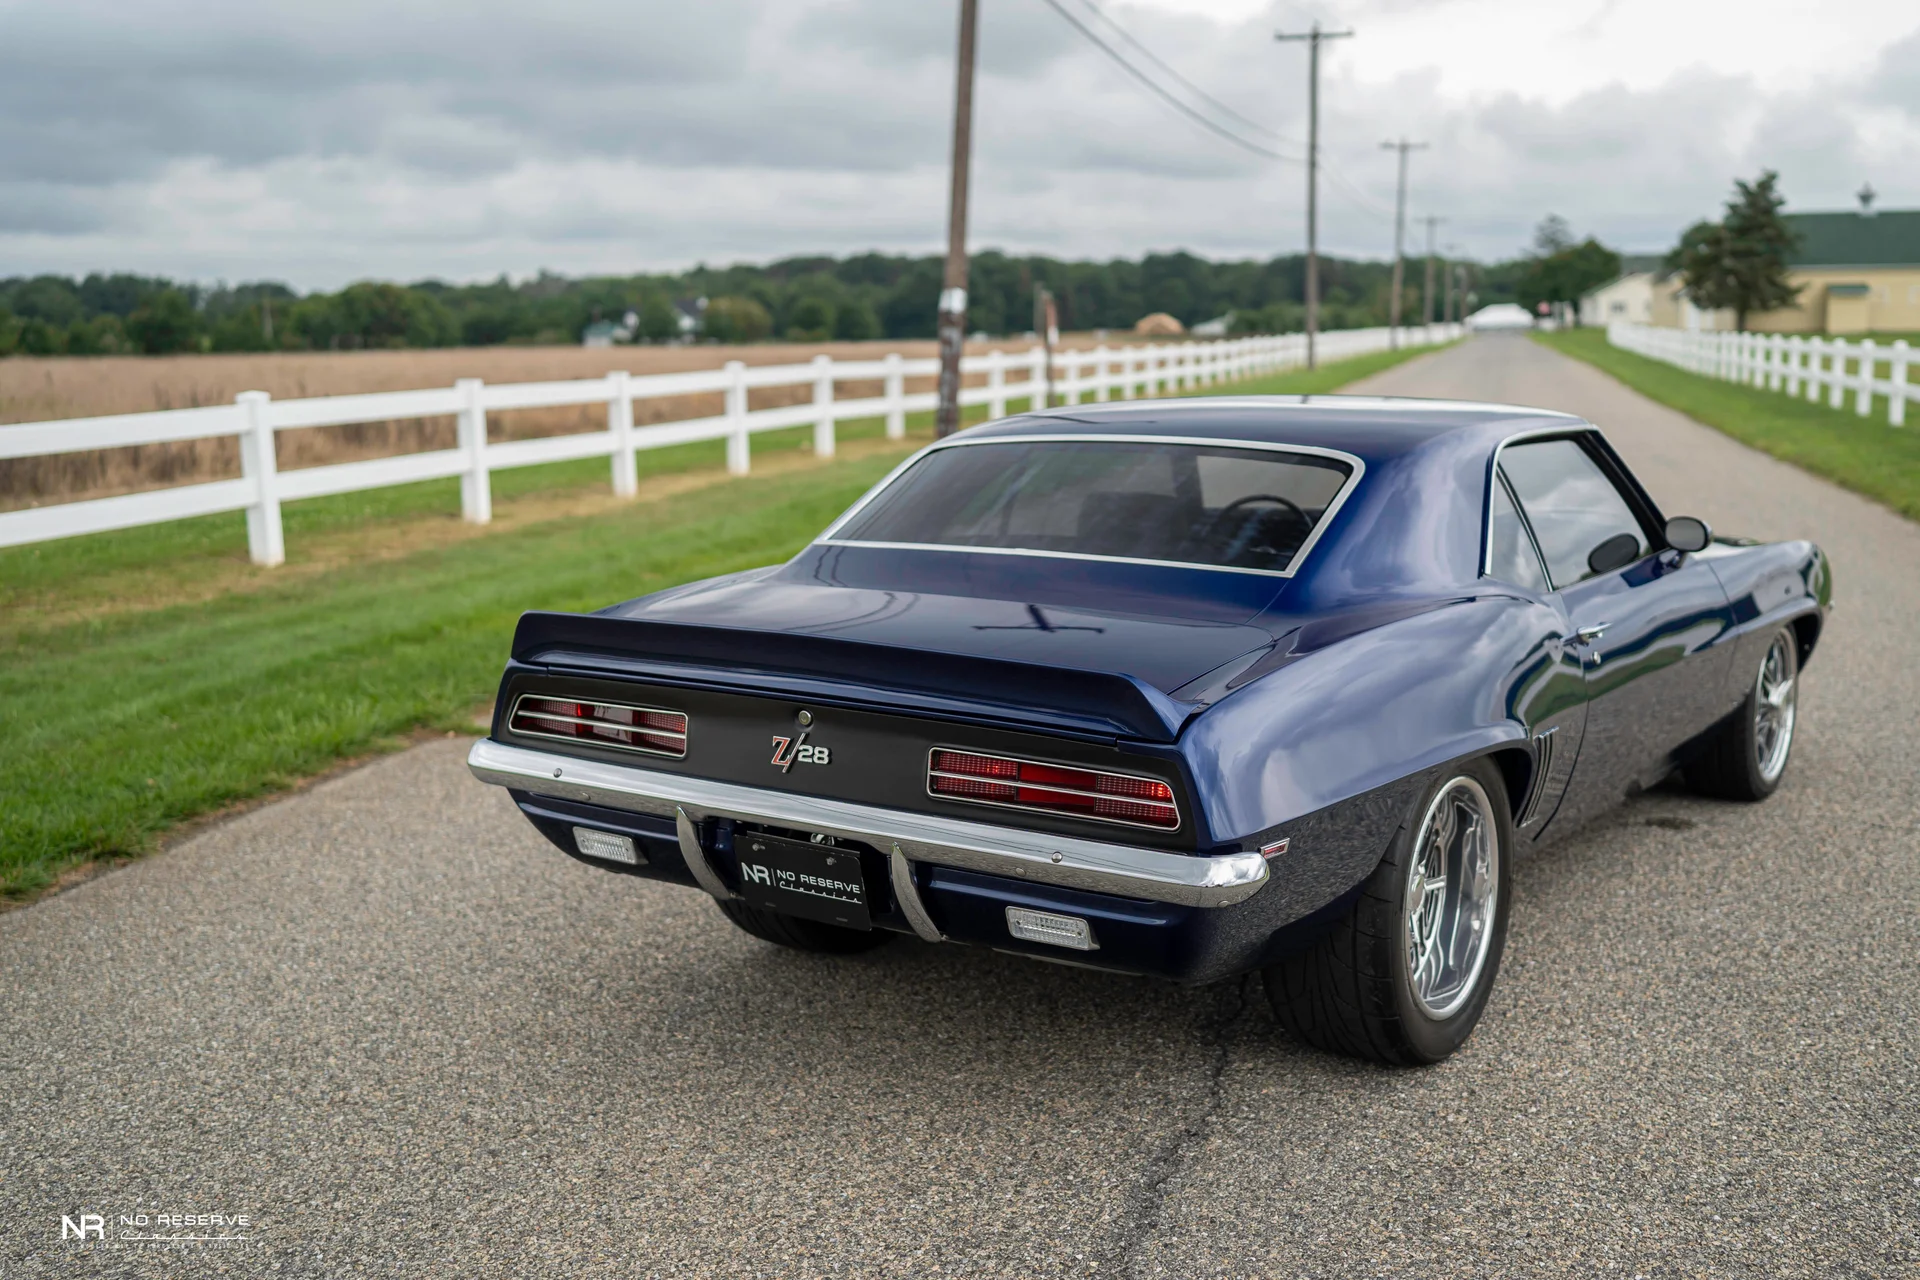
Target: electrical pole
1046	327
1399	236
953	290
1313	39
1427	297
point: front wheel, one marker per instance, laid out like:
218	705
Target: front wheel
1747	756
1403	978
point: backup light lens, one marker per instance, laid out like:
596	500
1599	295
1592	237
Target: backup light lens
1072	932
1028	784
606	845
605	724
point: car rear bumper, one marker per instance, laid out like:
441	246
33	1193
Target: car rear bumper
906	839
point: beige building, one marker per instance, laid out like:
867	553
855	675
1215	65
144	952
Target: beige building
1857	271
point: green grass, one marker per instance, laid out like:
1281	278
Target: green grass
120	725
1864	454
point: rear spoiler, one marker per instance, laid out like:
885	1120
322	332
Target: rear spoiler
1021	694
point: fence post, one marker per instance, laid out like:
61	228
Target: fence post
1869	361
476	491
626	474
739	452
996	384
1037	397
1897	385
896	398
1101	391
1837	369
823	401
266	541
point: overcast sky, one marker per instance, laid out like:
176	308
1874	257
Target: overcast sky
322	143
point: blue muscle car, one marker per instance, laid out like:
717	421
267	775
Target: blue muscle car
1186	688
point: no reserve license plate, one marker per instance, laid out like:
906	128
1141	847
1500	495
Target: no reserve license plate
818	882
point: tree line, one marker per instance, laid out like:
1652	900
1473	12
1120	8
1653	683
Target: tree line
801	299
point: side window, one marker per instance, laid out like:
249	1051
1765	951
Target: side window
1571	504
1514	559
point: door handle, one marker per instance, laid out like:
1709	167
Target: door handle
1587	635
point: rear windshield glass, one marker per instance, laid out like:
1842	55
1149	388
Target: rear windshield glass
1194	504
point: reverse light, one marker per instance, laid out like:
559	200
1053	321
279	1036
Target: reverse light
604	724
1051	788
1072	932
606	845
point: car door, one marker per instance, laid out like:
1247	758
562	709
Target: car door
1547	693
1644	619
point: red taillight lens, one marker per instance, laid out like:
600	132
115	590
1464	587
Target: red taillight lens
607	724
1053	788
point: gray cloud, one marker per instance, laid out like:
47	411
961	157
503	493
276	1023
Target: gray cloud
323	144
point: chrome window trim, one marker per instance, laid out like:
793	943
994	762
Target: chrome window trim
1493	477
1179	820
1358	470
1157	875
514	714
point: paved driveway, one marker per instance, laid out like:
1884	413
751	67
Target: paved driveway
403	1036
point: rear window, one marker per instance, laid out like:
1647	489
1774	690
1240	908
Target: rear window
1214	505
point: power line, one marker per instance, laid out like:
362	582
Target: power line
1162	93
1192	88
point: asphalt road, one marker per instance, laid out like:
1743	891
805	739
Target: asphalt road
403	1036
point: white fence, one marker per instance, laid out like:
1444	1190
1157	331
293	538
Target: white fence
1795	365
1102	373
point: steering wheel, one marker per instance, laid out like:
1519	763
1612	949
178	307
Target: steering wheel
1220	516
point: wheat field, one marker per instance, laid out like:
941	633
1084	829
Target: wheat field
37	389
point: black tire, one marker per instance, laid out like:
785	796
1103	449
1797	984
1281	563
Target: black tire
802	935
1353	991
1736	763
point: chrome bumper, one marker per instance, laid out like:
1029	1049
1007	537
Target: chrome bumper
1215	881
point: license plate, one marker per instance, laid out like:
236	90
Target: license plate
816	881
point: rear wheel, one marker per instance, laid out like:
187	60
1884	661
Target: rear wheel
1747	756
801	935
1404	977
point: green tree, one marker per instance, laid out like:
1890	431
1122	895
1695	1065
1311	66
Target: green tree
9	331
855	321
659	321
165	323
737	320
38	338
101	336
1565	274
1740	262
810	320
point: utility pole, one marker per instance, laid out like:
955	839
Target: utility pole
1427	297
1399	235
953	290
1313	39
1046	327
1446	267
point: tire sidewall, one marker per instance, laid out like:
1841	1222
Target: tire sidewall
1432	1039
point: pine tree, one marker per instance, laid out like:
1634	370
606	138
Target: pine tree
1740	262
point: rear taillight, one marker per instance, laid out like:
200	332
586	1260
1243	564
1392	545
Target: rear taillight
1052	788
604	724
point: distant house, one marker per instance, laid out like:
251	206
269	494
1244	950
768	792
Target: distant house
1214	328
1858	272
1499	315
1158	325
690	314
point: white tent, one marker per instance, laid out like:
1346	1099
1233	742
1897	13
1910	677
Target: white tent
1501	315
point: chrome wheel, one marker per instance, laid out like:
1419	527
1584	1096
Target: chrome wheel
1774	707
1453	890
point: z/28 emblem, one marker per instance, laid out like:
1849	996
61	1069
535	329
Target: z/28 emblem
788	752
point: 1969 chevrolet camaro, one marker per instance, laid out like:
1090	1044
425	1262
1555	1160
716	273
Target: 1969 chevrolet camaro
1183	688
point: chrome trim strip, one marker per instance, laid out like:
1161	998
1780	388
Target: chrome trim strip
1218	880
1332	509
691	850
907	894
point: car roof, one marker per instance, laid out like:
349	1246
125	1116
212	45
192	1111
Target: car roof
1374	427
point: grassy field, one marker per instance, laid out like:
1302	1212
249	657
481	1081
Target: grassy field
1864	454
152	676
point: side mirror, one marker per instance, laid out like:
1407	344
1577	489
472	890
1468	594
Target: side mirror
1617	552
1684	533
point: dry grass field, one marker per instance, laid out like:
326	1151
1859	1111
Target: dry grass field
42	389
